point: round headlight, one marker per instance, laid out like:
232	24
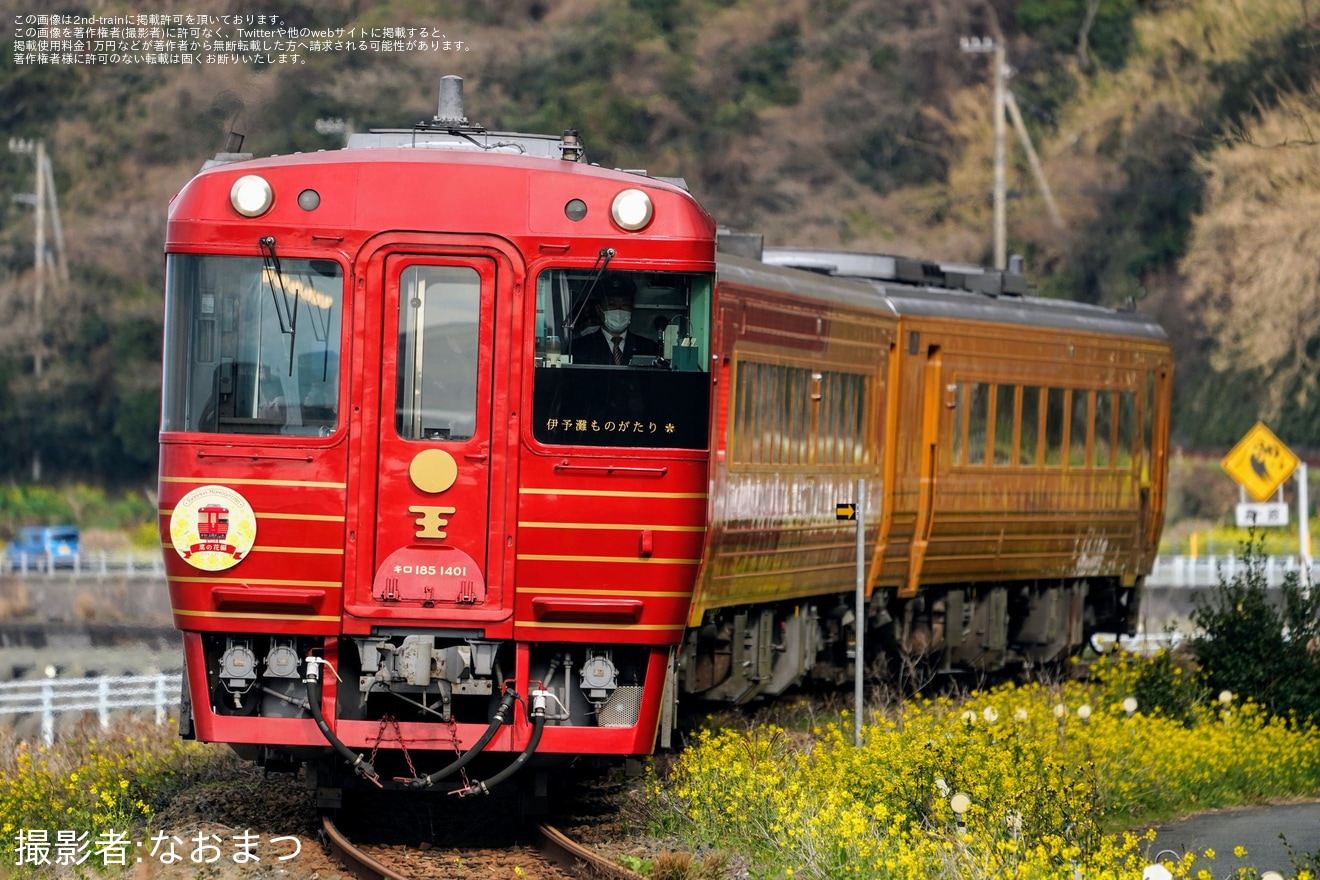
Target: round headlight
251	195
632	210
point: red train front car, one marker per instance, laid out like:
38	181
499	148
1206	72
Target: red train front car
434	448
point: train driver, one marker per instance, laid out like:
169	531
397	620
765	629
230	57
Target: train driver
613	342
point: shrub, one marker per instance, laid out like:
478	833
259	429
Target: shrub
1168	684
1261	646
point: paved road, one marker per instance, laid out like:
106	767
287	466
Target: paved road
1256	828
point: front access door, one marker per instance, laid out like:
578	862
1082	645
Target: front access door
435	458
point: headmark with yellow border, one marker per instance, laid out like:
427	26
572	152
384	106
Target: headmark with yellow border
213	528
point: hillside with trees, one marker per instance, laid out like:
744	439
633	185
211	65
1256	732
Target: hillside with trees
1178	138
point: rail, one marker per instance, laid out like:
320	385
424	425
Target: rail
98	564
51	697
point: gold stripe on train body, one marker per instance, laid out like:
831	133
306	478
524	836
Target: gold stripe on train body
297	517
612	526
320	551
576	591
259	582
598	493
304	517
254	615
243	481
628	627
649	560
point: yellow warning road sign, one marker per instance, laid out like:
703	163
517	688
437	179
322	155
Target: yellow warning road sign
1260	462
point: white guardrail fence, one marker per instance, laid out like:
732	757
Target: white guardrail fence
144	564
49	697
1169	571
1206	571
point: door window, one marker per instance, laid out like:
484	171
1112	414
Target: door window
439	330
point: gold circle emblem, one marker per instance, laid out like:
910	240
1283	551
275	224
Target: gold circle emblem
433	470
213	528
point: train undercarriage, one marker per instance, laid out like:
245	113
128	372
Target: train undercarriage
424	677
423	709
742	654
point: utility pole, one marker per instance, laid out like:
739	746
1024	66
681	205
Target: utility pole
989	45
1004	101
1001	208
43	199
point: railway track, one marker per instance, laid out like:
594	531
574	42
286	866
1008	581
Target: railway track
560	855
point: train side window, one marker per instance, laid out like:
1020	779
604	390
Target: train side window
1105	423
655	392
251	345
770	420
1055	426
795	430
1079	427
789	415
841	428
1005	419
978	415
959	423
743	441
853	391
1028	440
785	425
1148	425
1126	446
755	383
439	321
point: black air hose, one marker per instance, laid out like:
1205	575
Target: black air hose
501	718
360	765
538	726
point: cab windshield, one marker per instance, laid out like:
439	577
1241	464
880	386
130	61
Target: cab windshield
252	345
622	358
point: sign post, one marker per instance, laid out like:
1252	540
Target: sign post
1260	463
855	511
1303	525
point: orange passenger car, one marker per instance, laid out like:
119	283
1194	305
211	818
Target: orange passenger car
1011	448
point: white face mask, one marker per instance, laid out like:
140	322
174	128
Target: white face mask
616	320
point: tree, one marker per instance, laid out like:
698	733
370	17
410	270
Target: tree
1251	268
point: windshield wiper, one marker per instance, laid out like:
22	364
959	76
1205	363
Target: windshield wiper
597	270
321	324
288	317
